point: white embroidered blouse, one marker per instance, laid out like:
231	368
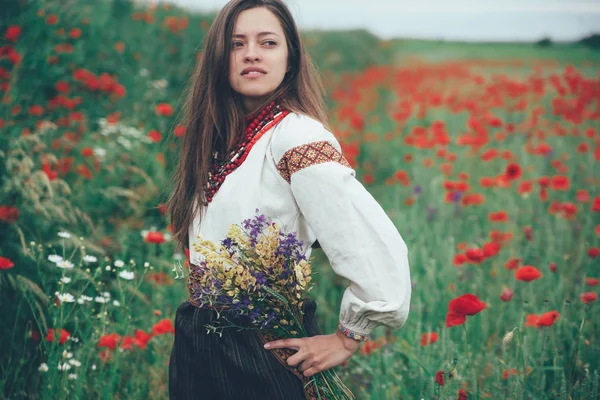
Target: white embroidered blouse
296	175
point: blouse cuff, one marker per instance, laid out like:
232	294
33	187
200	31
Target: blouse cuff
352	334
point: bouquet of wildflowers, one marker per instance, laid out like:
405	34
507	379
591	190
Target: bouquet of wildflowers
257	277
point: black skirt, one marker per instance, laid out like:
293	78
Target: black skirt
232	366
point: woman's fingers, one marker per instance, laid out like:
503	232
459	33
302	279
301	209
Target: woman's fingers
284	344
296	359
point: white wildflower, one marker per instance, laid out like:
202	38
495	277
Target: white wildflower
116	303
89	259
43	367
93	367
99	299
64	367
128	275
74	362
72	377
65	279
67	354
66	298
146	264
65	264
100	152
119	263
64	235
55	258
106	294
107	268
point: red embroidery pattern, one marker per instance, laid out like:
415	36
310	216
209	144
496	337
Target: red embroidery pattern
305	155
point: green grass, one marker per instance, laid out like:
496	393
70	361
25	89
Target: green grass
108	213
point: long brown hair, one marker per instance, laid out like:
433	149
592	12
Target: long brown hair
213	111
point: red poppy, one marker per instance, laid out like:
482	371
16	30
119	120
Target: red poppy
429	338
6	263
596	204
460	307
593	252
179	131
528	231
500	216
475	256
127	343
560	183
588	297
525	187
552	267
155	237
506	294
155	136
513	171
162	327
109	341
439	378
462	395
527	273
63	335
164	110
547	319
592	281
513	263
12	33
142	338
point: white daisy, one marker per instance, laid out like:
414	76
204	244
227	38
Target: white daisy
43	367
72	377
65	264
67	354
99	299
65	279
106	294
64	235
107	268
128	275
116	303
146	264
66	297
119	263
93	367
55	258
89	259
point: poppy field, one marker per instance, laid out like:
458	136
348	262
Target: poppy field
488	162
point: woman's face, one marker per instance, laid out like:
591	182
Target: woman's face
259	55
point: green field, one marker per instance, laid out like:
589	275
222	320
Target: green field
485	156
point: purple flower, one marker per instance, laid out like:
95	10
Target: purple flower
456	196
417	189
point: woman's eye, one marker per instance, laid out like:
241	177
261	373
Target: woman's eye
235	44
270	43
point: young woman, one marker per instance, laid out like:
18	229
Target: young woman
257	138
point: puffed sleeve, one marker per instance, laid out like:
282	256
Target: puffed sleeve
360	241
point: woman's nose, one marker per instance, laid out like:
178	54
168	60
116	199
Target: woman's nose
251	53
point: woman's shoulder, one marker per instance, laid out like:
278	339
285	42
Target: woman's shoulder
298	129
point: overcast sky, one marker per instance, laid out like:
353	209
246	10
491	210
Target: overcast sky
471	20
